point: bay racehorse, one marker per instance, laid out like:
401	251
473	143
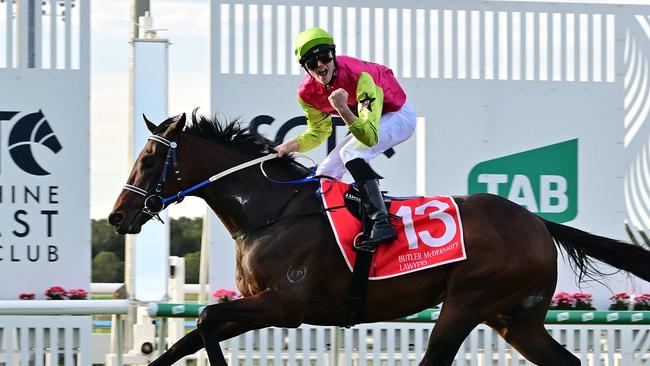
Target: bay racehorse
290	270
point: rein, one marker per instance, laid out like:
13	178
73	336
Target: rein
154	203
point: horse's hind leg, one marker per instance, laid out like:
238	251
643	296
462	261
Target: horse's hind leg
533	341
523	328
475	294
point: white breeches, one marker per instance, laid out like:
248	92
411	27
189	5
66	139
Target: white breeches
394	128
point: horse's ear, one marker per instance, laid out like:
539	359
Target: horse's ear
181	123
150	125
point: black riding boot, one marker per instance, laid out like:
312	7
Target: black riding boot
373	202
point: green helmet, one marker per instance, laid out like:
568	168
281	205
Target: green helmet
310	38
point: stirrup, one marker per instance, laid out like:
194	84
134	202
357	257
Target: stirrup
386	228
360	242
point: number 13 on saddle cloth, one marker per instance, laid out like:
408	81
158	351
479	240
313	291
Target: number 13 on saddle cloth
429	232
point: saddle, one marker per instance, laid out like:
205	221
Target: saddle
345	214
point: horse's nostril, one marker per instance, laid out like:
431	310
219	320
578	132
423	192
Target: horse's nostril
115	218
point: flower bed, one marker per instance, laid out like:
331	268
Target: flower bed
567	301
581	301
58	293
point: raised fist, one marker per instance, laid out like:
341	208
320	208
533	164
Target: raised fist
338	99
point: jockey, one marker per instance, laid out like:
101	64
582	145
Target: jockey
380	119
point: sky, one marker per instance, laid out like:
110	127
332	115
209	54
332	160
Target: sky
187	24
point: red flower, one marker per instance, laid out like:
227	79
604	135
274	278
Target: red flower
55	293
642	302
562	301
223	295
620	301
576	301
582	301
77	294
27	296
644	298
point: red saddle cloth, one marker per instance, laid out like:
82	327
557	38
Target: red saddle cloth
429	233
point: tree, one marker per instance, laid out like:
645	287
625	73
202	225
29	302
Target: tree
185	235
105	239
192	263
107	267
108	248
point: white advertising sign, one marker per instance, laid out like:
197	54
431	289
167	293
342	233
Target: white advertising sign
543	104
44	181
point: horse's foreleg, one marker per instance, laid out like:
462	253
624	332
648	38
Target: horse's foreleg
262	310
192	342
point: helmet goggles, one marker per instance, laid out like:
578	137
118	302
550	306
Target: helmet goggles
325	56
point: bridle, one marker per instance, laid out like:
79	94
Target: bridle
154	203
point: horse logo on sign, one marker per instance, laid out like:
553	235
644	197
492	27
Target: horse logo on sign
28	135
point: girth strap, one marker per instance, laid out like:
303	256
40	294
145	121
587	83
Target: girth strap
358	286
360	274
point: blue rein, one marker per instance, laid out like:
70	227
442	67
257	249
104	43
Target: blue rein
181	195
154	203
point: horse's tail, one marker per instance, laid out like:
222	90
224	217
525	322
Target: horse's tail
580	244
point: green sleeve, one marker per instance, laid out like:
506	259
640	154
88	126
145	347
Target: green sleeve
370	100
319	127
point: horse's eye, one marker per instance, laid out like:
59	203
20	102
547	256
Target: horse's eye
148	162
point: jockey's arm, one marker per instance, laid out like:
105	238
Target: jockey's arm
319	127
370	102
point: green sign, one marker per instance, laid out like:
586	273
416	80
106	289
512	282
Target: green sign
544	180
561	317
167	310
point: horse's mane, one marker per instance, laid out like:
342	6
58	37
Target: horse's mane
231	133
235	135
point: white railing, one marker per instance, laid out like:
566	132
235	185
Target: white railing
54	332
110	287
401	344
63	307
42	340
45	340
